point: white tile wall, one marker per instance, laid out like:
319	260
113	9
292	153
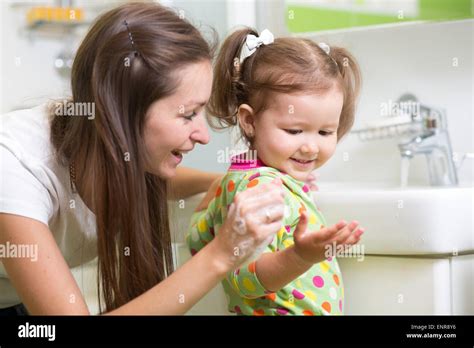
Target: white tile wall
416	58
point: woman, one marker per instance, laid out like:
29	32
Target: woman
76	187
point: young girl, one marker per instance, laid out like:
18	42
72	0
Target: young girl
293	100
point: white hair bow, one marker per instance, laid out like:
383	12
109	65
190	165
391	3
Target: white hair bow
252	42
325	47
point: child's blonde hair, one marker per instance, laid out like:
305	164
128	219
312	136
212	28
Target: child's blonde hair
288	65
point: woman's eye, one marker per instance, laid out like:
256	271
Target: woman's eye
190	117
324	133
293	131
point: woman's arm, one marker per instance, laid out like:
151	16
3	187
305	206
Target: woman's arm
47	287
188	182
178	293
211	193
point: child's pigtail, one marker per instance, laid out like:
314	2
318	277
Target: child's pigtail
351	84
228	90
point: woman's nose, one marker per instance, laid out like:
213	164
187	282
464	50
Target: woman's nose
200	134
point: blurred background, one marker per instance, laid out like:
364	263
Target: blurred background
424	47
419	47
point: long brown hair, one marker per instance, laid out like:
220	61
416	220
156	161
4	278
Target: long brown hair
125	63
288	65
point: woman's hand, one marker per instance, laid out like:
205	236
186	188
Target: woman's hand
316	246
254	217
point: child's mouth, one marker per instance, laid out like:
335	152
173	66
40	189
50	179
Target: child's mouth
302	163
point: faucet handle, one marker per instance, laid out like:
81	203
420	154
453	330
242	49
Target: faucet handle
466	155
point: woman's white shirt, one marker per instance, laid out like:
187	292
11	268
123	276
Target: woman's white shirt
34	185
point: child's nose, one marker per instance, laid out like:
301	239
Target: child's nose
310	148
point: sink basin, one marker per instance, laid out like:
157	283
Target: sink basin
398	221
410	232
403	221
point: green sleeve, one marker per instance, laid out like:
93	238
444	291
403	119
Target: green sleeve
244	280
200	231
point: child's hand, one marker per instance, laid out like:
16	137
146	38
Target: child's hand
311	248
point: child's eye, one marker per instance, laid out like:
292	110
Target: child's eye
325	133
293	131
190	117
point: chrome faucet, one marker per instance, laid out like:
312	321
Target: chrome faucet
432	140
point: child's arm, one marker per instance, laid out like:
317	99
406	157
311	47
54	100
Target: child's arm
275	270
282	262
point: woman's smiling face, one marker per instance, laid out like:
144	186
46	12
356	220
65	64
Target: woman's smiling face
176	123
297	133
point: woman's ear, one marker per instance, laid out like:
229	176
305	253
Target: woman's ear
246	118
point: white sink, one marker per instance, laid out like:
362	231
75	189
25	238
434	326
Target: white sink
425	224
403	221
398	221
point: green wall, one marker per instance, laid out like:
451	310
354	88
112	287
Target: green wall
306	18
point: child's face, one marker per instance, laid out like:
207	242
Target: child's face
298	133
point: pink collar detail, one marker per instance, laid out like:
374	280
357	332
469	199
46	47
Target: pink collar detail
245	162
